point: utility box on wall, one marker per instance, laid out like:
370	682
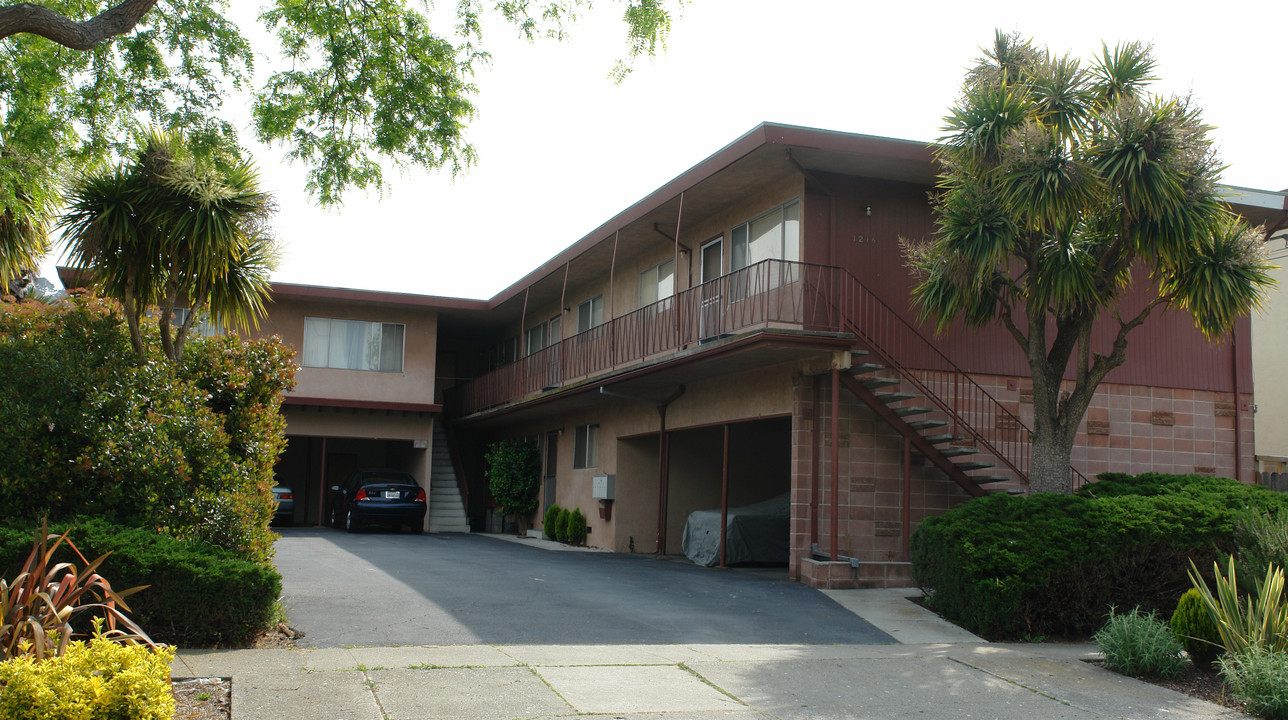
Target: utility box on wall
603	487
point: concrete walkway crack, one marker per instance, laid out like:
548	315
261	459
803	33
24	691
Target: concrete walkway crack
371	687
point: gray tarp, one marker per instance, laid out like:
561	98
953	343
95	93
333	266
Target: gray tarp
756	533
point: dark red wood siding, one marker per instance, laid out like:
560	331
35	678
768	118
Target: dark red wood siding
1166	352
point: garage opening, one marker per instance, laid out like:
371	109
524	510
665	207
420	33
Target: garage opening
759	475
310	466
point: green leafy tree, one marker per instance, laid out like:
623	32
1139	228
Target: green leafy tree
1056	181
170	231
514	476
364	85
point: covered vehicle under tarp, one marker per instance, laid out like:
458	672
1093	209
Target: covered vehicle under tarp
756	533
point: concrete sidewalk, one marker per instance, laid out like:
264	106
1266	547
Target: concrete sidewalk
946	673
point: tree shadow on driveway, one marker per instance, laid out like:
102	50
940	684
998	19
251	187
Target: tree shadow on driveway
447	589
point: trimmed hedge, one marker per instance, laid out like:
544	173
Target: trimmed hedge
199	595
1053	565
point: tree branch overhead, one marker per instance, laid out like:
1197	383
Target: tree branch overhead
55	27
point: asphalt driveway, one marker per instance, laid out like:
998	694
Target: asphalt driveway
389	589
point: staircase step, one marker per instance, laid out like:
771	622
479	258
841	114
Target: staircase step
895	397
939	439
958	451
864	368
856	354
876	383
974	465
1003	491
912	410
920	425
986	479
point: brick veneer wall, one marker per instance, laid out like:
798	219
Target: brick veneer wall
1129	429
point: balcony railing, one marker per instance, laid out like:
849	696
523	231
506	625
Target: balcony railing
773	294
769	294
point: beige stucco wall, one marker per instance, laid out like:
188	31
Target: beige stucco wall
629	427
415	384
1269	379
624	285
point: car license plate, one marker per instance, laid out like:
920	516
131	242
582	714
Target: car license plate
392	494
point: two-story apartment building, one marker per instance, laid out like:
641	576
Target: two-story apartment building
742	333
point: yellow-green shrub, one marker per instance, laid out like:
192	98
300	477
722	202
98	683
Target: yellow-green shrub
95	680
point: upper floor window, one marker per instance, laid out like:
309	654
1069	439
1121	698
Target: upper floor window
535	339
502	353
774	235
590	314
657	283
353	344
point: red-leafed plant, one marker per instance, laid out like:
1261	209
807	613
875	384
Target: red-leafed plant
39	603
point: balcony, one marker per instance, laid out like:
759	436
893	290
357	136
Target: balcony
770	295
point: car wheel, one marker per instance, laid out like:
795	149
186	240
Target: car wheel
350	522
416	529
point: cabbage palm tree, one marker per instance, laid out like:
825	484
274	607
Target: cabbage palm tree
169	231
1056	180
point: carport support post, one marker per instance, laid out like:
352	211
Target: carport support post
663	478
322	484
724	494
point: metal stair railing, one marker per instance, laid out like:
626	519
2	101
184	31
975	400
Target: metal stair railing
971	410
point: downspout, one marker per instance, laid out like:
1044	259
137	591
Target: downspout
663	458
836	460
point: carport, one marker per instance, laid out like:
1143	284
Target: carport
325	444
716	466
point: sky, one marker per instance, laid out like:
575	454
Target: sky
562	148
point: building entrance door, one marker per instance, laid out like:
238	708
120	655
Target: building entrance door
711	312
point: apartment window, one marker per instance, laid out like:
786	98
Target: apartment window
774	235
535	339
590	314
353	344
502	353
657	283
585	447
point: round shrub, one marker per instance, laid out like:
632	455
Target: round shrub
1193	627
561	525
549	521
1005	567
1140	645
576	527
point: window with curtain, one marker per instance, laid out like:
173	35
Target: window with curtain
585	447
590	314
772	236
353	344
657	283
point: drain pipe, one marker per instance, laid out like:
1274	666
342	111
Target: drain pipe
663	458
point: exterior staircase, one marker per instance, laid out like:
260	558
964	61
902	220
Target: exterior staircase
446	511
946	416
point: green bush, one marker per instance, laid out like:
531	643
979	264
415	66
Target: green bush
548	522
95	680
1053	565
514	476
1259	678
1140	645
87	428
1193	627
576	527
198	595
1262	539
561	525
